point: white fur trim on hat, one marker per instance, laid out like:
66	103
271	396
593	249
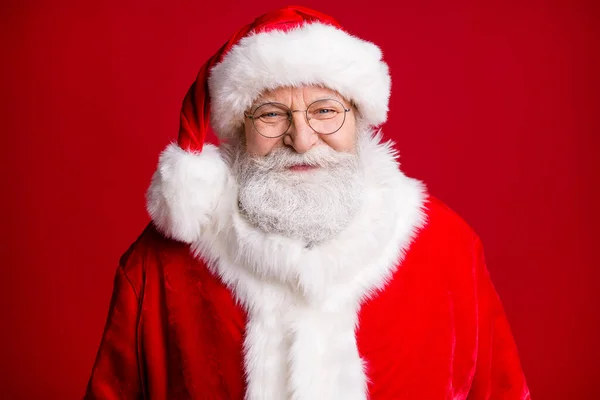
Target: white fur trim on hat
313	53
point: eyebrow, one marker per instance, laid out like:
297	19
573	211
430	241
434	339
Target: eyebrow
267	100
262	102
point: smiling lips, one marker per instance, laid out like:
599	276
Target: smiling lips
301	167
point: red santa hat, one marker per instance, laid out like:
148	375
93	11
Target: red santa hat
292	46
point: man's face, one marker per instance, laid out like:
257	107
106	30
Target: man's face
300	137
302	185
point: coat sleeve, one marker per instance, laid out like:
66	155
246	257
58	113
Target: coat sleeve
498	373
116	373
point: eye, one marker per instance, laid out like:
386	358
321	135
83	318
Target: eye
271	114
325	111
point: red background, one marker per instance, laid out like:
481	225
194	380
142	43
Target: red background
494	105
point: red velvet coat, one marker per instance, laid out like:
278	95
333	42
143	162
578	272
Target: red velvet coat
437	331
399	305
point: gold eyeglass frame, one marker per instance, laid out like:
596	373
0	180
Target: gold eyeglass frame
290	119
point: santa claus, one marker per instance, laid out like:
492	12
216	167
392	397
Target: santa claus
296	260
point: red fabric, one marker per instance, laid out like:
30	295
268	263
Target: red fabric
195	110
437	331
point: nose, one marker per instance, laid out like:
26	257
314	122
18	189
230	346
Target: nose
300	136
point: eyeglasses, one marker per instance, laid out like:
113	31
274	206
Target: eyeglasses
273	120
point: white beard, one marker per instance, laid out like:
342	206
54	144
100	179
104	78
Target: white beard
313	206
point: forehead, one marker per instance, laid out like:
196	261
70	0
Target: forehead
307	93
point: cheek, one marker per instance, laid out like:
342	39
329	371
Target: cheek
344	139
258	145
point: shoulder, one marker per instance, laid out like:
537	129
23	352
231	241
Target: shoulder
438	264
444	223
446	243
149	251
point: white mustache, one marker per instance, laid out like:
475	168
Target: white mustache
283	158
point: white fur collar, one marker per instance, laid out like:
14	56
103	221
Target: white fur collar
302	303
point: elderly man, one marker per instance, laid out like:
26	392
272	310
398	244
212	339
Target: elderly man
296	261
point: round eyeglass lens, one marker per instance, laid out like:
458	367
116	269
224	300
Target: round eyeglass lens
271	119
326	116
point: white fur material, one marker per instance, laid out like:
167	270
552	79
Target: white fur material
185	184
302	303
309	54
